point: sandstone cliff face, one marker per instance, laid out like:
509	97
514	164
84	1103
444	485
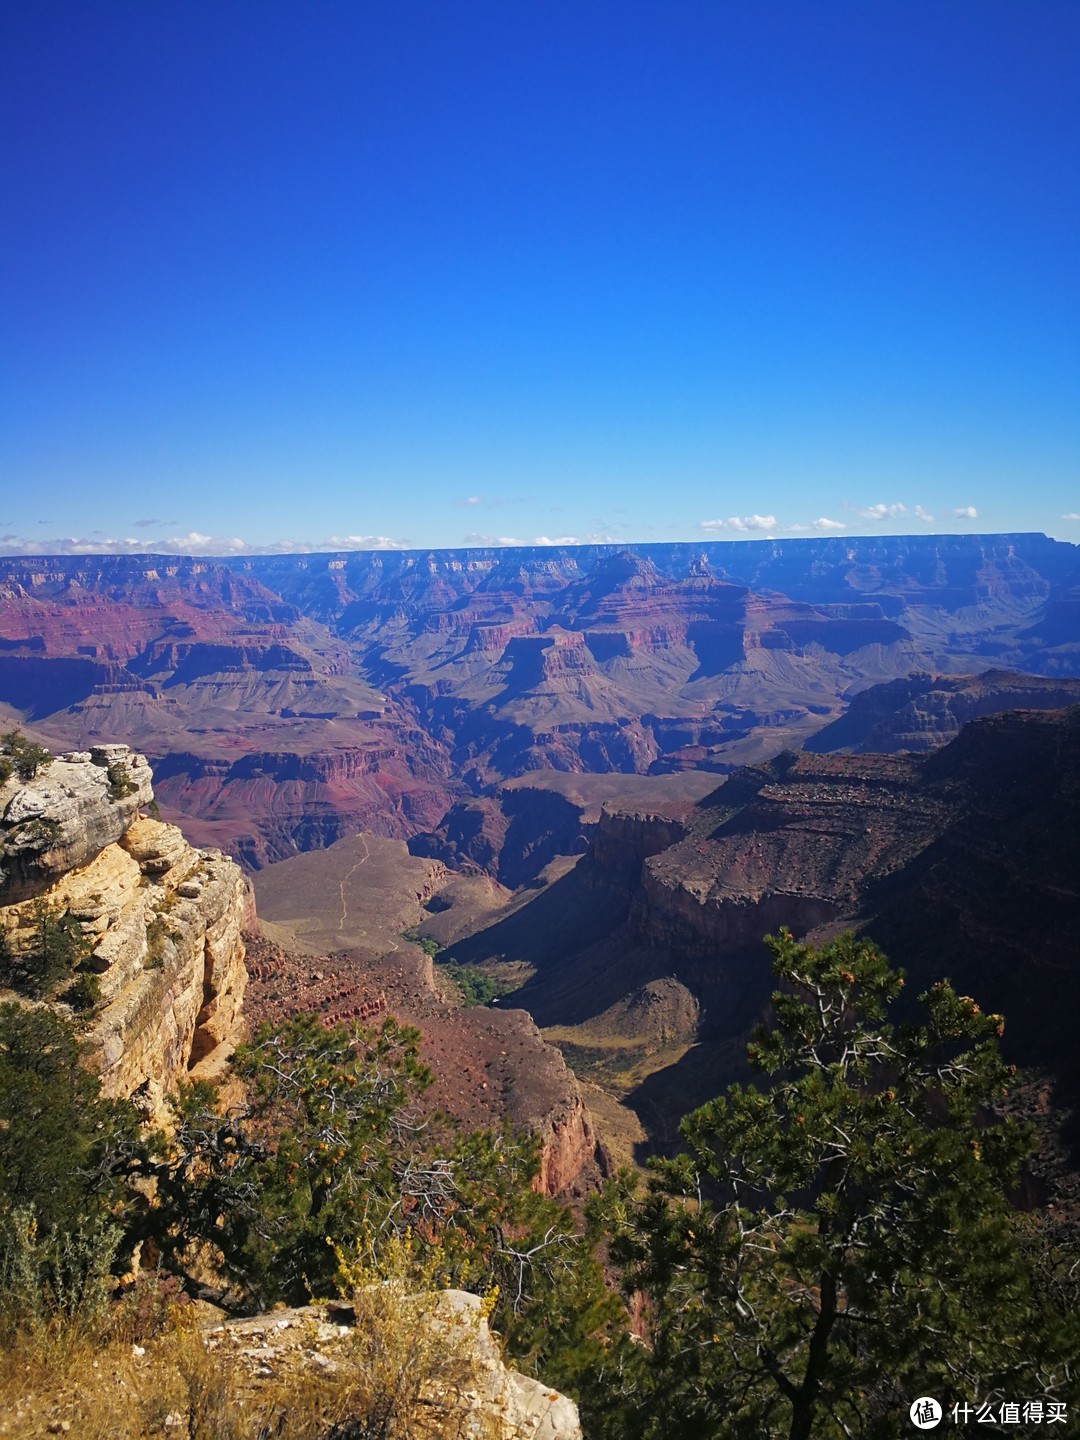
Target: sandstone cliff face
68	813
163	920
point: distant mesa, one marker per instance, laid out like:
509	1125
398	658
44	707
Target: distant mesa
922	711
289	701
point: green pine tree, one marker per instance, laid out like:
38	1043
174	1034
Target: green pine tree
839	1243
65	1153
50	951
330	1159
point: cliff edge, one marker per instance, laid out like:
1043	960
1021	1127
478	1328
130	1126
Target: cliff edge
157	922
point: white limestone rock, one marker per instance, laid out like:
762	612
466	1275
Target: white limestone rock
66	815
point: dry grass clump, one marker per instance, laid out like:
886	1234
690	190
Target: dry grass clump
406	1370
417	1362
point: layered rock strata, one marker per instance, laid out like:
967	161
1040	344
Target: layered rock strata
923	711
290	700
162	920
66	814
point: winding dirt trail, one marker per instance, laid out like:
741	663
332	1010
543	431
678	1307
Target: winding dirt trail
345	880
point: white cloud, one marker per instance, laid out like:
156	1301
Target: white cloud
194	543
741	523
825	524
476	537
921	514
470	500
1072	515
361	542
966	512
881	511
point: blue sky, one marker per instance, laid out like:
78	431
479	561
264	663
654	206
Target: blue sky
402	271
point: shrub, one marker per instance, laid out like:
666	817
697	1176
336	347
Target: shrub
475	986
56	1274
41	833
56	948
84	993
423	942
157	933
120	781
412	1359
21	756
64	1154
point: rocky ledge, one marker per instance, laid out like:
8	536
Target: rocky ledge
478	1393
67	813
161	920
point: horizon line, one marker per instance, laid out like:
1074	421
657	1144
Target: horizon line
606	545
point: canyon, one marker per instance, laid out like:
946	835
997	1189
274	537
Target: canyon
644	957
544	807
518	757
184	969
288	701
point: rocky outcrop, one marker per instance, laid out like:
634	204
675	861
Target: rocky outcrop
57	821
961	862
923	711
790	843
478	1393
567	1146
161	923
625	839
